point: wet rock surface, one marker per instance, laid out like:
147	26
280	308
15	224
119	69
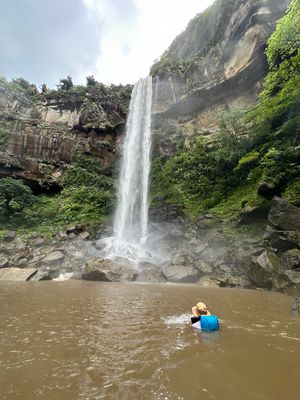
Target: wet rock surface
261	271
54	258
99	269
4	262
16	274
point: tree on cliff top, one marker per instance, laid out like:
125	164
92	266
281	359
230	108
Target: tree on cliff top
91	81
66	83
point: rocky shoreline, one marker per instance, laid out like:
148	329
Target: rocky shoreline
206	253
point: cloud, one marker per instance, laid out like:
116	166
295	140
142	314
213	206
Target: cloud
44	41
156	24
115	40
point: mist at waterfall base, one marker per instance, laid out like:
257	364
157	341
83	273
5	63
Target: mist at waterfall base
132	241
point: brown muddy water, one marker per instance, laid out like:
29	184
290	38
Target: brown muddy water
89	340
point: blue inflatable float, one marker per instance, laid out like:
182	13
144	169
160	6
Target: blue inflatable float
206	323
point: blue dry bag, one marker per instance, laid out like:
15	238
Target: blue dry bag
209	323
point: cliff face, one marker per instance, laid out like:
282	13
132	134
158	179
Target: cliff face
216	64
40	134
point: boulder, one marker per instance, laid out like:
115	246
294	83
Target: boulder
284	215
84	235
178	259
150	275
197	247
100	269
38	242
182	273
208	281
16	274
288	282
21	263
78	256
4	262
54	258
204	267
249	214
9	236
261	271
280	240
223	280
36	259
6	251
41	276
290	260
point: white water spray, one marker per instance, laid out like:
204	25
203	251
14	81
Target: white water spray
131	217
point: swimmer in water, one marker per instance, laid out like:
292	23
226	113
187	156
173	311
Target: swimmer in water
199	310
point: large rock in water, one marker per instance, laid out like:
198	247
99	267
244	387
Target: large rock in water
151	276
182	273
16	274
100	269
223	280
288	282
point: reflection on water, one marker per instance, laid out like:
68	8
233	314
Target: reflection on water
88	340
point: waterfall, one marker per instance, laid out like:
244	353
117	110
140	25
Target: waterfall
131	216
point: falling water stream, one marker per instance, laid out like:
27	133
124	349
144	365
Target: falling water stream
131	218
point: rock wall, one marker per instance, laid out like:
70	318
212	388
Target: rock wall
216	64
39	135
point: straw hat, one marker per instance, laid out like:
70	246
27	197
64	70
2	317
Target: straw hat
201	308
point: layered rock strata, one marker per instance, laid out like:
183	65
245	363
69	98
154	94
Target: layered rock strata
40	134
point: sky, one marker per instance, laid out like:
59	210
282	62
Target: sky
117	41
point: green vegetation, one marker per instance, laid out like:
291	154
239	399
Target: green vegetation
257	152
87	198
4	133
86	189
292	192
65	84
86	170
14	196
